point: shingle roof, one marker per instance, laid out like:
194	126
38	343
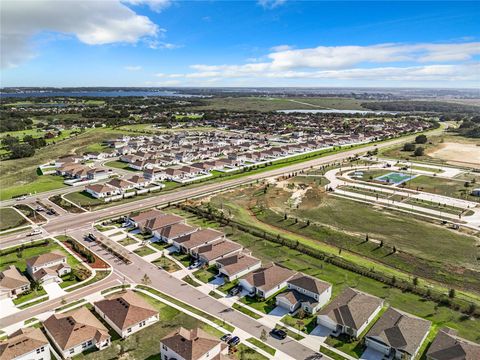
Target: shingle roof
268	277
75	327
198	238
448	346
45	258
310	283
237	263
162	221
126	309
217	249
11	278
190	344
143	216
176	230
22	342
351	308
400	331
100	188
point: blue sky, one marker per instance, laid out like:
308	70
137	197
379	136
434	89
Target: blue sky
240	43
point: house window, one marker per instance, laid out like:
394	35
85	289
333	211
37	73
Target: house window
129	330
90	343
72	351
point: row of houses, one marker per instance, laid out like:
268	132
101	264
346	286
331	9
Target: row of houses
118	188
44	269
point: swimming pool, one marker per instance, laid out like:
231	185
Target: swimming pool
395	178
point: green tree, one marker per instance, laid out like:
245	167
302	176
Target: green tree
419	151
421	139
408	147
451	293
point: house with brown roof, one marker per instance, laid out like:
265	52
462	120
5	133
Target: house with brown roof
121	185
139	181
216	250
305	292
238	265
447	345
156	224
190	242
101	191
193	344
12	283
397	335
76	331
172	232
126	313
349	313
266	281
25	344
141	219
49	267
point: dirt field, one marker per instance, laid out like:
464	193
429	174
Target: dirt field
457	153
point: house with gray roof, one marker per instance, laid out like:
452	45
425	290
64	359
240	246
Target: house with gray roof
447	345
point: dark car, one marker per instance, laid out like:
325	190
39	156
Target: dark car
92	237
226	337
234	341
278	333
234	291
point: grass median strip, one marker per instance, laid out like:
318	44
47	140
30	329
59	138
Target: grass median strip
262	346
192	309
246	311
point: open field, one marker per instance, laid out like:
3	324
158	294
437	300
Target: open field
442	186
273	104
9	218
458	153
340	278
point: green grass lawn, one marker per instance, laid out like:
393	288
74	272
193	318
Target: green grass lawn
183	258
442	186
166	264
120	165
100	275
263	305
243	352
191	281
127	241
206	275
145	344
262	346
246	311
227	286
340	278
10	218
305	323
160	245
144	251
30	296
41	184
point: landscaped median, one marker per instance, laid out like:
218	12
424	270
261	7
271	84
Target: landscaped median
246	311
262	346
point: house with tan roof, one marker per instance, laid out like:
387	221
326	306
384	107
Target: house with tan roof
49	267
397	335
190	242
100	191
25	344
126	313
141	219
156	224
216	250
266	281
305	292
238	265
193	344
447	345
172	232
76	331
12	283
139	181
120	184
349	313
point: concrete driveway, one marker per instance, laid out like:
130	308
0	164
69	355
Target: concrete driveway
54	290
217	281
8	307
370	354
321	331
278	312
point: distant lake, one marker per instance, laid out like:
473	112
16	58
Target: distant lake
91	93
332	111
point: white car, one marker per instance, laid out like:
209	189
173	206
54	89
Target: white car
35	232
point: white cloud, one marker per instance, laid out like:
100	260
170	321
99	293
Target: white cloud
271	4
133	67
92	22
281	48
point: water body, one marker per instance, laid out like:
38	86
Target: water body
332	111
92	93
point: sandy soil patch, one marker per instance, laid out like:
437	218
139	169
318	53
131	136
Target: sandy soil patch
456	153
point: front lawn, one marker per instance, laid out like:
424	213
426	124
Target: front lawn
263	305
225	288
144	251
127	241
185	259
306	323
166	264
29	296
206	275
83	199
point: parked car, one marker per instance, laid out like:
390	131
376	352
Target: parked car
23	197
92	237
195	264
35	232
39	208
278	333
234	341
234	291
226	337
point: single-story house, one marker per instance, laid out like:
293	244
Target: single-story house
97	174
49	267
189	242
350	312
171	232
100	191
447	345
235	266
266	281
12	283
140	219
156	224
25	344
139	181
126	313
305	292
76	331
193	344
397	335
154	174
122	185
216	250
